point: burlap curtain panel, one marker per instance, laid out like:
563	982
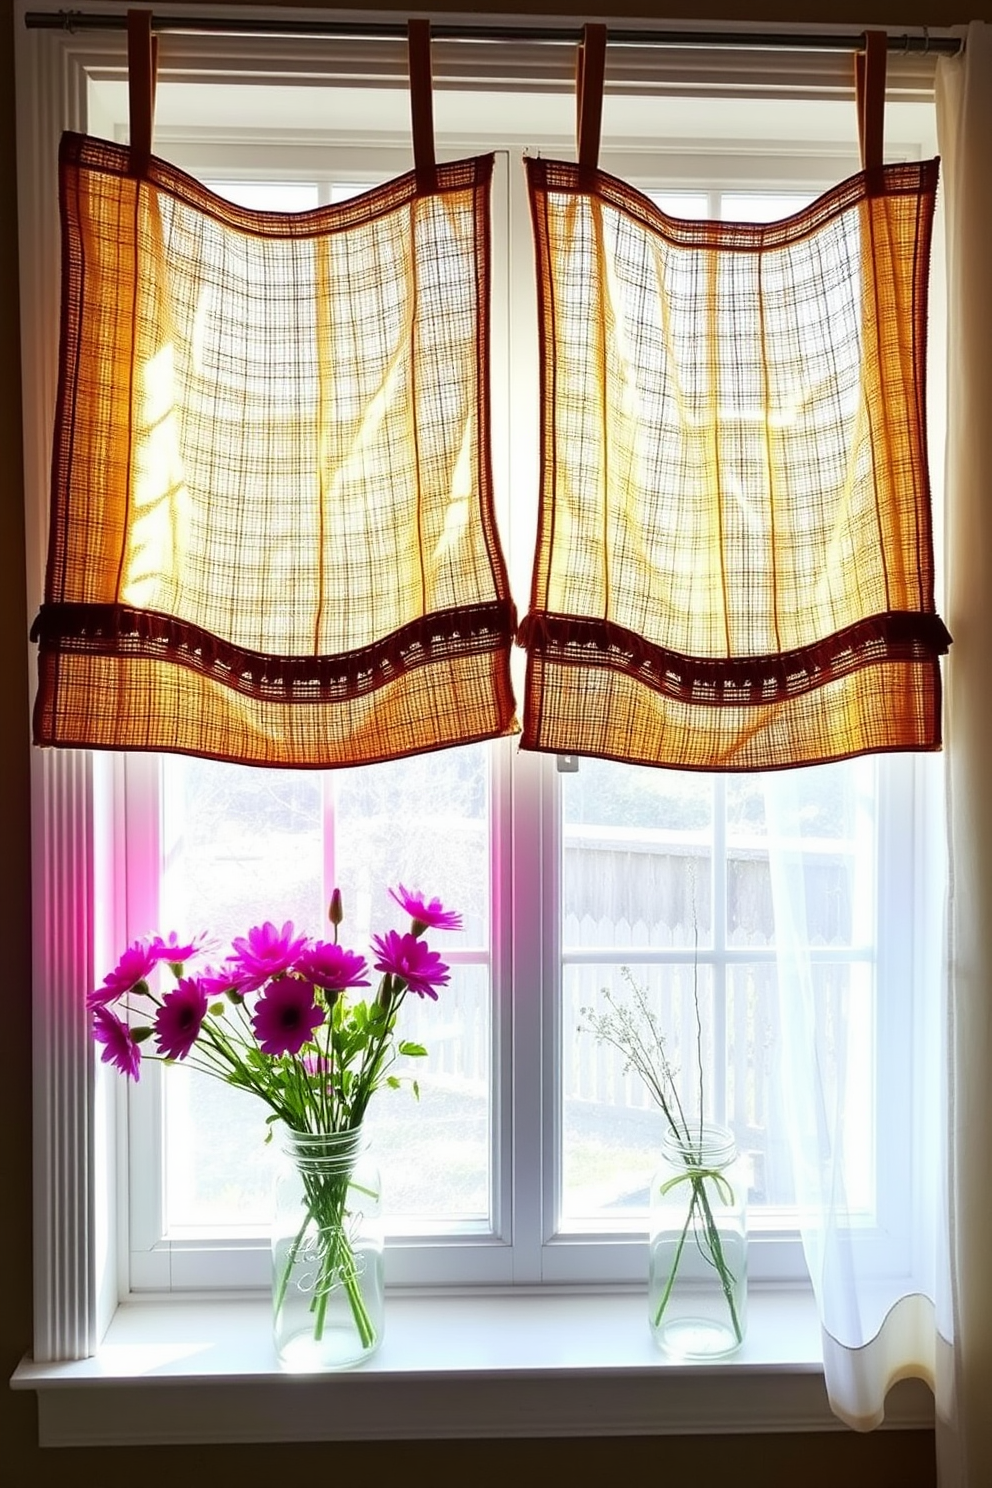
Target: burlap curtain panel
734	565
272	532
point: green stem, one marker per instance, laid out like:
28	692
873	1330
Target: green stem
716	1250
326	1209
675	1267
712	1248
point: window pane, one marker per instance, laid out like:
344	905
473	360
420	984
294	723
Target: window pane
686	204
836	813
342	191
422	822
434	1153
612	1129
644	855
761	206
751	1108
241	846
269	196
219	1169
637	856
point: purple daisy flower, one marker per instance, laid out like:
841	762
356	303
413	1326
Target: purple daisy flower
172	951
136	964
331	967
120	1046
426	914
177	1023
219	983
265	952
412	961
286	1015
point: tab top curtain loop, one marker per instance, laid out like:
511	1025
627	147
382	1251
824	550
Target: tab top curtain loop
590	76
421	99
142	63
869	78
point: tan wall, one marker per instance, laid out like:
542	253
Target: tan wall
883	1460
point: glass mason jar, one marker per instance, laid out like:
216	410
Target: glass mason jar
327	1261
697	1268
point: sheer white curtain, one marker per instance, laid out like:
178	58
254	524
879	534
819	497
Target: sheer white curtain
866	1156
912	1294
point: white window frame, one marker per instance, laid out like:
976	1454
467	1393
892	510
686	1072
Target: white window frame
77	1105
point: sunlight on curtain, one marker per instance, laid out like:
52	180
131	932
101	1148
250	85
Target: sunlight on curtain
273	538
734	567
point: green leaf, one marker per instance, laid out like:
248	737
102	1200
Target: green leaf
393	1082
140	1034
216	1010
416	1090
416	1051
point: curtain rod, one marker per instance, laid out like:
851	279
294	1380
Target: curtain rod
74	20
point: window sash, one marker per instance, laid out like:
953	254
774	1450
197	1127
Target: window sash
568	1252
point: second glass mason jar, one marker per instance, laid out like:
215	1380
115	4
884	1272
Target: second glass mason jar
327	1252
697	1277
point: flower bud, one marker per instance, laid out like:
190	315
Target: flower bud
335	912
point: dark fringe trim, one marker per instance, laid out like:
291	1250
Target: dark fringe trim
120	631
81	152
901	178
571	640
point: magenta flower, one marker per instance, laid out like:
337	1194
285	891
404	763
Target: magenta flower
219	983
286	1015
332	967
137	963
411	960
426	915
178	1020
171	950
120	1046
265	952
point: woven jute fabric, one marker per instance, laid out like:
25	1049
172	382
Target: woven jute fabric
272	532
734	564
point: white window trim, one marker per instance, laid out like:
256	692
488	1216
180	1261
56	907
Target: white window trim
567	1364
552	1364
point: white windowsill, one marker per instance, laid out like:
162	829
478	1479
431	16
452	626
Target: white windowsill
449	1366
